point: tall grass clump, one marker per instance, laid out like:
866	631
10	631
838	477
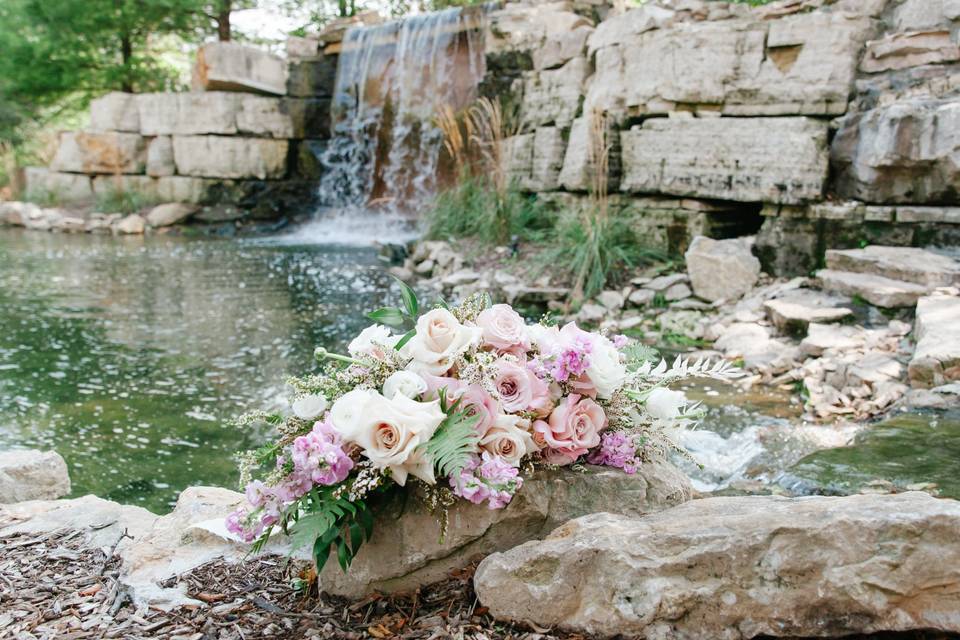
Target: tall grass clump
593	244
482	203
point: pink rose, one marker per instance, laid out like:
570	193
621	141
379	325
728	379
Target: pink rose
514	385
573	429
503	329
544	395
473	398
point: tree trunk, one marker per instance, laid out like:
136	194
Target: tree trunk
343	9
126	53
223	20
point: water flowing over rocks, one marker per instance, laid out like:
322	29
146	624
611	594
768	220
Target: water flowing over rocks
739	568
406	550
32	475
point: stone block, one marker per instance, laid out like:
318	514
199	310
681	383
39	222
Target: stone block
64	188
116	111
160	157
229	66
226	157
780	160
721	269
163	114
562	47
879	156
299	48
170	213
310	116
936	360
108	187
575	172
312	78
100	152
534	159
264	116
553	97
904	50
28	474
911	15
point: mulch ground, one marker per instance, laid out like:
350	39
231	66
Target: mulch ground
51	587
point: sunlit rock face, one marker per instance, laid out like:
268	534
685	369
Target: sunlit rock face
737	568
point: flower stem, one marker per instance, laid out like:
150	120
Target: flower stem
322	354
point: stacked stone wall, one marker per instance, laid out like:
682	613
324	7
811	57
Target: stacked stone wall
831	123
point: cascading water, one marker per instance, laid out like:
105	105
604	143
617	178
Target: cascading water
382	162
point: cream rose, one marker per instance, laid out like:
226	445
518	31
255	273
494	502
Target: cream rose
440	338
508	439
405	383
388	432
605	370
503	328
372	341
309	407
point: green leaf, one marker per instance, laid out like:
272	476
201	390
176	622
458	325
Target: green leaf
321	552
356	536
365	517
409	298
405	339
453	443
311	527
343	554
390	316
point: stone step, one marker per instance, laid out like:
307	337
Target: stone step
794	311
909	264
877	290
936	360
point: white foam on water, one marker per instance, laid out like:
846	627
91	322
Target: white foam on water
350	228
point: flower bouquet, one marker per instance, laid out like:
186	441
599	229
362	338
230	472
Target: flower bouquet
463	401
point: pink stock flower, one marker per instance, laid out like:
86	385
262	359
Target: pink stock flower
319	455
487	479
572	430
618	450
503	329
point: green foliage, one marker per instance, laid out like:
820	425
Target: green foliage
397	317
116	200
329	524
638	354
455	440
474	208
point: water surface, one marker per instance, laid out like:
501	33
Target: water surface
127	355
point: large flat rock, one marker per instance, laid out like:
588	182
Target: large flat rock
795	311
100	152
32	475
115	111
553	97
737	568
229	66
781	160
721	269
879	156
936	360
898	263
406	551
230	157
877	290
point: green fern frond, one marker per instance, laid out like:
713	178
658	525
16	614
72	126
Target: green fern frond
454	442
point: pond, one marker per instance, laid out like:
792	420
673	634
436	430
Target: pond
129	356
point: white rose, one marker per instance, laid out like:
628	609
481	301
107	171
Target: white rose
309	406
547	339
371	341
405	383
440	339
509	438
606	372
665	404
389	431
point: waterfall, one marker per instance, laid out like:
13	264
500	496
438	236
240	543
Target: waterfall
391	78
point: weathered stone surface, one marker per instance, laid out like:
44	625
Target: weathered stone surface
923	14
879	157
799	64
564	46
32	475
936	360
312	78
575	172
65	188
164	114
299	48
619	29
17	213
794	311
116	111
903	50
877	290
171	213
131	225
224	157
553	97
534	159
737	568
96	152
406	551
721	269
263	116
782	160
898	263
160	157
229	66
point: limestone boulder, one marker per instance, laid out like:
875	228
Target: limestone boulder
406	551
875	289
264	116
100	152
911	15
65	188
721	269
32	475
160	157
171	213
164	114
936	360
226	157
903	50
793	312
910	264
878	158
116	111
553	97
229	66
131	225
534	159
780	160
738	568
